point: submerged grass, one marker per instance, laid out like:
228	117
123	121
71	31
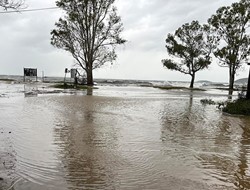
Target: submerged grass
7	80
239	107
72	86
178	88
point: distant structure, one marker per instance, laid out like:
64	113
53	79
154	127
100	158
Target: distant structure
29	72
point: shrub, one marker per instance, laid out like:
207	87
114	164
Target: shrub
239	107
207	102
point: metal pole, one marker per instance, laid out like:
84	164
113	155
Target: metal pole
42	76
23	74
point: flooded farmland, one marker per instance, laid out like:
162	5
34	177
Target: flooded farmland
122	138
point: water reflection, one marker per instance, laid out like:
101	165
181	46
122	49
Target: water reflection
86	143
242	175
218	145
157	141
89	91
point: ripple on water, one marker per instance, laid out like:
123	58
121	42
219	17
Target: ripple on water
91	142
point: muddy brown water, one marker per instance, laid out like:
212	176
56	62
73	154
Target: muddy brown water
122	138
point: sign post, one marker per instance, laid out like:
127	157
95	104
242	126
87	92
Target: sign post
31	72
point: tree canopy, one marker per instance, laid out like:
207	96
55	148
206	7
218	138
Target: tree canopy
11	4
90	31
190	49
231	24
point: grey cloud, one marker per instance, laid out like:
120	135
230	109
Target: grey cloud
25	37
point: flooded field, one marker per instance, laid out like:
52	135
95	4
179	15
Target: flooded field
121	138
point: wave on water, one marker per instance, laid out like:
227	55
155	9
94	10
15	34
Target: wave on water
115	82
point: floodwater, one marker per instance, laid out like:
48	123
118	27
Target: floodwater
122	138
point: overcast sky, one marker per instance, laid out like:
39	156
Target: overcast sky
25	40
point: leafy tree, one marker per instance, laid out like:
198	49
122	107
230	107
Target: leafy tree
11	4
190	48
90	31
230	24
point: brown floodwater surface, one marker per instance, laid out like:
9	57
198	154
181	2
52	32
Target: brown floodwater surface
122	138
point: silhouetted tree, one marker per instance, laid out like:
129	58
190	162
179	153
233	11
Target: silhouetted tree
11	4
90	31
190	48
231	25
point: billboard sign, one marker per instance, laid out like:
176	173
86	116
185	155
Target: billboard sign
30	72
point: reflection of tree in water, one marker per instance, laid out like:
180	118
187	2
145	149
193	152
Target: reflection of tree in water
224	164
86	138
242	178
219	146
180	117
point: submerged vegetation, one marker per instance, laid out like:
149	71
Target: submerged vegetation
178	88
7	80
71	86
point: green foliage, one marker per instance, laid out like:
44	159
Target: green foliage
207	102
190	48
239	107
90	31
230	25
171	65
7	80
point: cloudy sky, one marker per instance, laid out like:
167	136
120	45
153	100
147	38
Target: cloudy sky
25	40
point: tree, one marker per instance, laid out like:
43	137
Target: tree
11	4
90	31
230	24
190	48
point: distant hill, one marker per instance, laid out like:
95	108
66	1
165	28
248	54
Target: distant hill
242	81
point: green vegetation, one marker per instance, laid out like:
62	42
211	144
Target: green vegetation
178	88
191	47
7	80
239	107
225	35
230	23
207	102
72	86
90	31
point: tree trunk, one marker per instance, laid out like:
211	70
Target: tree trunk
231	80
192	81
90	81
248	87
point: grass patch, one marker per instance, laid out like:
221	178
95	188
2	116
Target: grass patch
178	88
72	86
227	89
7	80
239	107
